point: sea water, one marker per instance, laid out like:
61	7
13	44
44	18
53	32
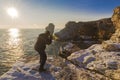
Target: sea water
15	43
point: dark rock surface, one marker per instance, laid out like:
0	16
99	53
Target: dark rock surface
100	29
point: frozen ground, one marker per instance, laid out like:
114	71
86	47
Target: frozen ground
29	71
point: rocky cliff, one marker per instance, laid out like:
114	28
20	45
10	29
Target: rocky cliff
100	61
100	29
114	42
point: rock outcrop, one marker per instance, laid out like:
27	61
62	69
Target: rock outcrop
114	42
100	29
100	61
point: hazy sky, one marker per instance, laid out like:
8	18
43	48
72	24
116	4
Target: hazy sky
39	13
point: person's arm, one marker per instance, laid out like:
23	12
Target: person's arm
49	40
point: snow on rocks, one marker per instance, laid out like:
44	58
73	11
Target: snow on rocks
29	71
96	61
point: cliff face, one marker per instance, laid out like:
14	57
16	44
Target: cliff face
100	61
116	21
101	29
114	42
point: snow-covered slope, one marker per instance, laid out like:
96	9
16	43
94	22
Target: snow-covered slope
29	71
96	63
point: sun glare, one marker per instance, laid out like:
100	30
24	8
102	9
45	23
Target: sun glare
12	12
14	32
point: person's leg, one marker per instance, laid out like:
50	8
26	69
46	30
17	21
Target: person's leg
40	58
43	59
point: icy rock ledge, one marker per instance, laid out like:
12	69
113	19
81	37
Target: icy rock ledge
29	71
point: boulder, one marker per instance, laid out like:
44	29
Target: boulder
68	50
112	65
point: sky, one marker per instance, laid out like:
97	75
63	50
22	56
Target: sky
39	13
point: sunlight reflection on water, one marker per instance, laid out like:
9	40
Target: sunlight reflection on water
13	37
12	49
13	46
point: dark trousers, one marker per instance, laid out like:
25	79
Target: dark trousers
43	58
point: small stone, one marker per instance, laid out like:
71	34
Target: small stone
112	65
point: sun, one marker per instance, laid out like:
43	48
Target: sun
12	12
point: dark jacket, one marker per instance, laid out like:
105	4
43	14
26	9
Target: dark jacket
42	40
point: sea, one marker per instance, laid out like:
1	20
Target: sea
15	43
